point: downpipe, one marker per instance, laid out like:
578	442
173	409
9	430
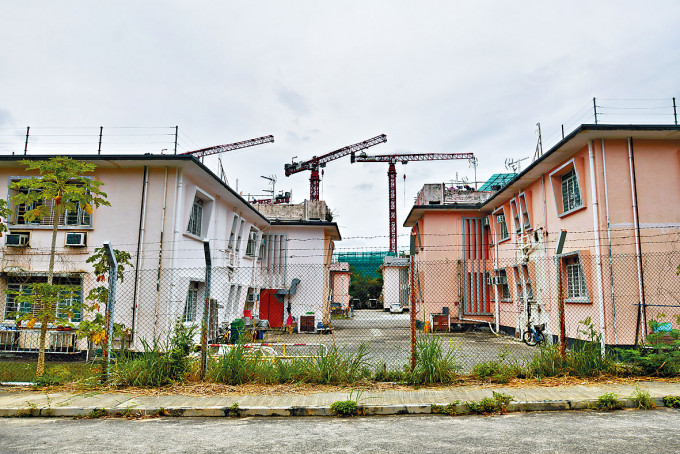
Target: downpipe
596	237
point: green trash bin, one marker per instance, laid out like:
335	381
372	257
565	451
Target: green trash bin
236	331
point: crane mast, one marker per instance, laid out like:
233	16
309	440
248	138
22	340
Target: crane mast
392	159
230	146
321	161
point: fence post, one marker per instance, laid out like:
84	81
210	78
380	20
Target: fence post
206	308
412	314
560	296
111	301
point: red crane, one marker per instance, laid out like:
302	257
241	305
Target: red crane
230	146
392	159
321	161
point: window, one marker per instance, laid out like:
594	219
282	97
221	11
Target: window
69	306
518	283
263	247
515	216
503	227
571	193
234	225
502	283
77	218
240	235
252	243
576	282
191	303
524	209
196	218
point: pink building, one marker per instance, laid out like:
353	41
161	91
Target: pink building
614	190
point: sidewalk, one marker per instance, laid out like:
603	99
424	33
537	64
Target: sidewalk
388	402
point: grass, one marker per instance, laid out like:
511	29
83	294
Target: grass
331	366
490	405
608	402
501	371
55	372
643	400
434	362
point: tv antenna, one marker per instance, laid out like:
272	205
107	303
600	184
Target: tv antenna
539	145
272	181
514	164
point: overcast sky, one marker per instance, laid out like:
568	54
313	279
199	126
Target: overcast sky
435	76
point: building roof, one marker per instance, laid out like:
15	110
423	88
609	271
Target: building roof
123	160
497	180
329	227
570	145
562	151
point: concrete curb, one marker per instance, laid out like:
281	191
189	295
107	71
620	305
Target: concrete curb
220	411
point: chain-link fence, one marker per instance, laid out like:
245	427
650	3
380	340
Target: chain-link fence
480	309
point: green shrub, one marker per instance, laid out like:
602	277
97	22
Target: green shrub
672	401
501	371
345	407
608	402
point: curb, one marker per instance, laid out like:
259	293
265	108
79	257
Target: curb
365	410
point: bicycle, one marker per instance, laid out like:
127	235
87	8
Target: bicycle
535	335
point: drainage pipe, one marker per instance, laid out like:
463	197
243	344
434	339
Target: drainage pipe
609	241
598	253
160	257
140	242
495	267
638	254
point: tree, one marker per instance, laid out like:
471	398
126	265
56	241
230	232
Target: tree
95	329
60	186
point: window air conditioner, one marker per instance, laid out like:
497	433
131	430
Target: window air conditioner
16	239
500	280
500	218
76	239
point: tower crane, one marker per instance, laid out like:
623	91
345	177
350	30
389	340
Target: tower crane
321	161
230	146
392	159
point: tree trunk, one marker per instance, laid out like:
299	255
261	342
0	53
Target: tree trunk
40	370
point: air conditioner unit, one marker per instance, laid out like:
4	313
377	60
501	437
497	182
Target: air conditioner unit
500	218
16	239
500	280
76	239
251	298
485	222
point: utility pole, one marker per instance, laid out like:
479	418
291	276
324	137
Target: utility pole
28	128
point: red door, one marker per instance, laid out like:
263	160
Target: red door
271	308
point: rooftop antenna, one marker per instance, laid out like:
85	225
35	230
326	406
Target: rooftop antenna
272	181
539	145
514	164
223	174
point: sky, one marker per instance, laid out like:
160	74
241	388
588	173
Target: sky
434	76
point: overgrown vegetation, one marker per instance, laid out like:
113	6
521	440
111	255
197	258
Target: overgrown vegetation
672	401
660	356
490	405
501	371
435	362
643	400
159	365
450	409
608	402
332	366
348	407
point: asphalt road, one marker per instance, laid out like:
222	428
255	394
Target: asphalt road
630	431
388	338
